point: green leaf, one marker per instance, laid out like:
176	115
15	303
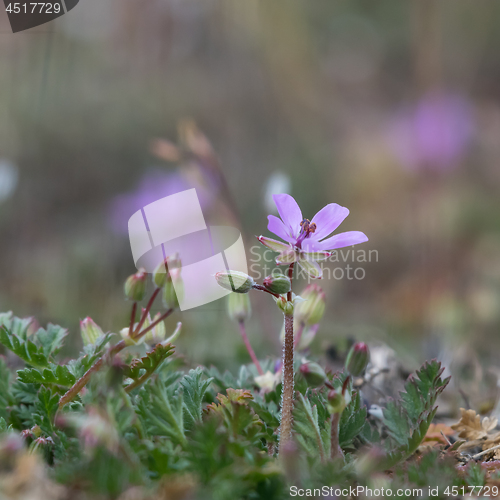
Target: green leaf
18	326
193	390
311	435
407	422
352	421
45	410
91	353
161	410
270	417
150	362
53	375
25	349
51	340
4	389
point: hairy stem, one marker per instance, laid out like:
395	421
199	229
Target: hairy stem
285	432
138	382
82	382
298	335
249	347
335	449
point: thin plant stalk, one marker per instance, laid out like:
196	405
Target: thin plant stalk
132	319
290	275
286	424
82	382
264	289
146	311
335	449
249	347
285	432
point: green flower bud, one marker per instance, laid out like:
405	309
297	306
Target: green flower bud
357	359
285	306
89	331
313	373
238	306
36	430
124	332
135	286
157	333
171	295
311	309
336	402
165	270
278	283
235	281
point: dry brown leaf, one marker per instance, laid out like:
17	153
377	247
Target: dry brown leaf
493	440
471	427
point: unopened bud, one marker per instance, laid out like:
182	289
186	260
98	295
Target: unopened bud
36	431
313	373
336	402
357	359
157	333
285	306
167	270
135	286
311	309
278	283
235	281
171	293
239	307
90	331
124	332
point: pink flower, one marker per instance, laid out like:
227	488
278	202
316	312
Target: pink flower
434	134
308	241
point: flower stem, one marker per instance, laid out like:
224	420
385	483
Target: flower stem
132	319
263	289
290	275
249	347
298	335
82	381
285	432
335	449
146	311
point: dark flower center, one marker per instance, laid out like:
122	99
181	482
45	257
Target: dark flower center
307	228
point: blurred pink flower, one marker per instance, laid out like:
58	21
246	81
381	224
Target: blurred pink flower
434	134
155	185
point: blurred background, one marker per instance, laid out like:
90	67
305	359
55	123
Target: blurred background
389	108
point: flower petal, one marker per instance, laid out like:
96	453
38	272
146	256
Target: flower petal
312	268
311	245
277	227
343	240
289	211
328	219
277	246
